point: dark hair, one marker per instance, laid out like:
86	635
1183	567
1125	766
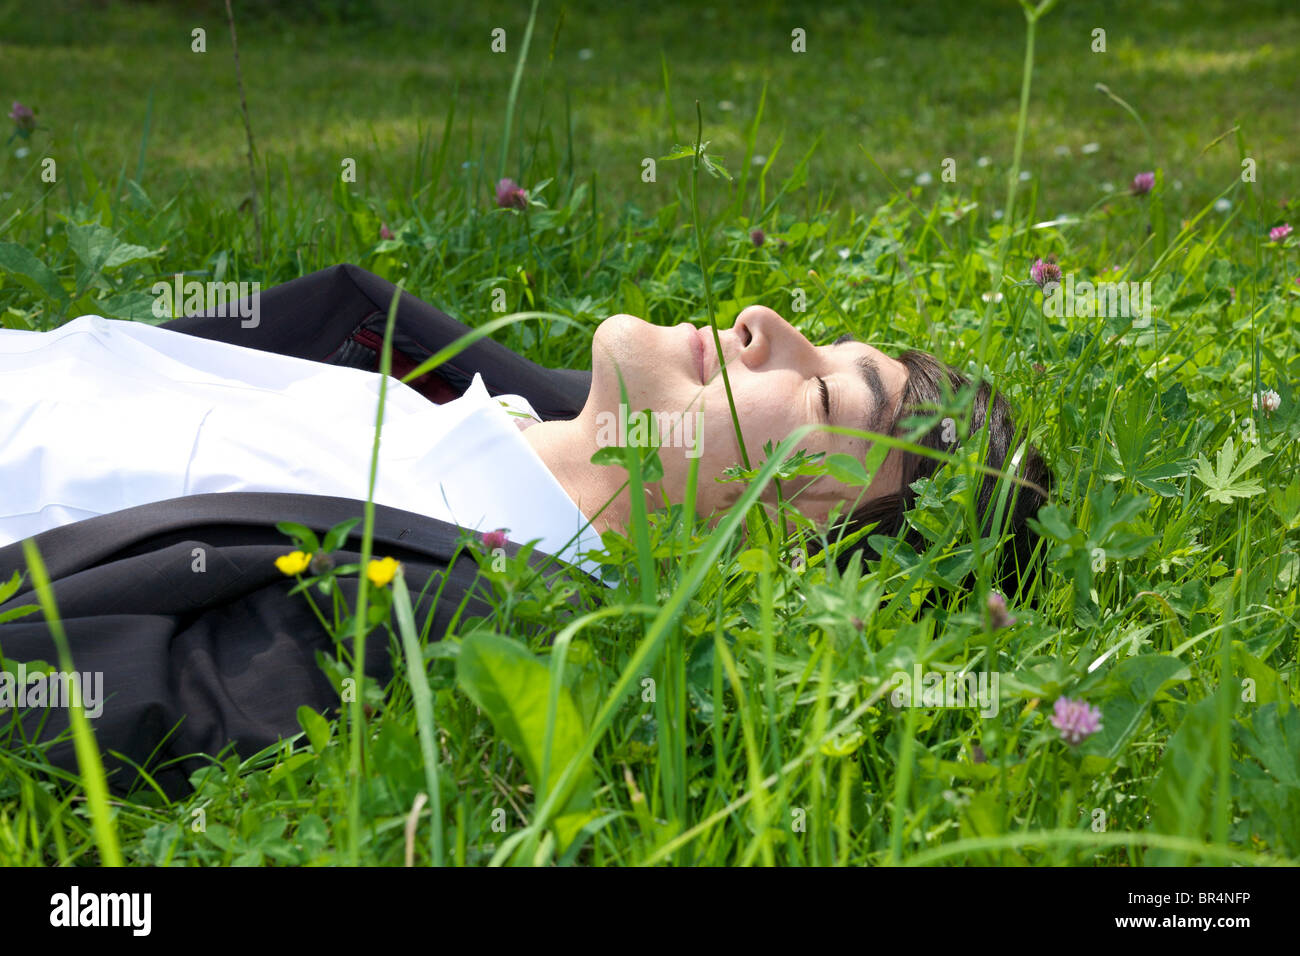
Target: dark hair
922	394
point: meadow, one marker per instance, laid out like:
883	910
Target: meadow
908	177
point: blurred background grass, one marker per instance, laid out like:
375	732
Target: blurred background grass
911	83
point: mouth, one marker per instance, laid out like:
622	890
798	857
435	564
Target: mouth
697	349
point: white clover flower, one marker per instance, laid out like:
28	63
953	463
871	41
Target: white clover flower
1269	400
1025	175
991	296
983	161
586	53
844	253
924	179
1222	204
726	106
1089	148
759	159
1062	151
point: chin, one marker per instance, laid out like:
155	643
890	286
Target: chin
616	342
620	330
627	344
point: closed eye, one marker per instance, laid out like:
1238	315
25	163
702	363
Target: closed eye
826	396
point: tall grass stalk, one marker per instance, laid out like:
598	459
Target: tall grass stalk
83	737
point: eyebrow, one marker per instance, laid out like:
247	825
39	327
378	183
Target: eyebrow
871	375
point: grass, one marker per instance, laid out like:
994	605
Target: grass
725	703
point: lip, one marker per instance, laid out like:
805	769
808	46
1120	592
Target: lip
697	346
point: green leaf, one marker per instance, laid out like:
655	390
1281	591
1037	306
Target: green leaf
316	726
844	745
652	466
31	272
678	152
338	534
1274	741
1109	514
1054	522
14	613
10	587
1284	502
1272	793
29	667
92	244
1269	686
136	306
1133	684
715	168
1179	799
302	536
608	455
219	835
124	253
1226	479
313	834
755	560
513	688
848	470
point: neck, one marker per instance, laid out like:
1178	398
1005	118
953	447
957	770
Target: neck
566	447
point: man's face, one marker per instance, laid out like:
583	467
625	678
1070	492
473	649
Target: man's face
777	378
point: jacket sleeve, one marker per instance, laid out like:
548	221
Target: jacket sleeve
338	315
179	609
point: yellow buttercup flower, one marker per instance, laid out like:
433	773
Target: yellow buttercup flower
381	572
295	562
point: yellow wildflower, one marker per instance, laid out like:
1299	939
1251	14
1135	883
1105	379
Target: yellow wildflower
295	562
381	572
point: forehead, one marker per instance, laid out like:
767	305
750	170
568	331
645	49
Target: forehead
851	350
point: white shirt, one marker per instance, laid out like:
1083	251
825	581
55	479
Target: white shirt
104	414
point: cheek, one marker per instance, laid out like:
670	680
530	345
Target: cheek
766	414
768	410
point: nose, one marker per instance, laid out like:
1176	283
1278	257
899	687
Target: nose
765	337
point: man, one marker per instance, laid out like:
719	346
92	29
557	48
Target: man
180	603
229	655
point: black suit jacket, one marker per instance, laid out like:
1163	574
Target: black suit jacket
194	661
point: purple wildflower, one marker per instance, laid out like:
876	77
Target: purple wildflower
1143	183
758	237
24	119
384	231
1044	271
997	608
1077	720
494	539
1278	233
510	195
